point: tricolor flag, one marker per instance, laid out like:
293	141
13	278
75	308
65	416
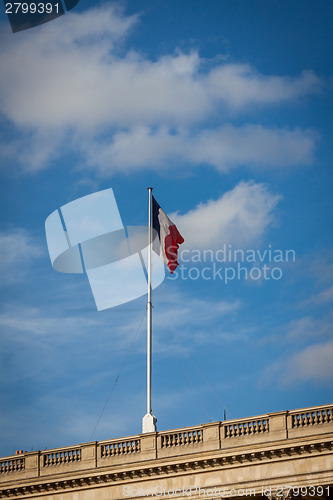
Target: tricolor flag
169	236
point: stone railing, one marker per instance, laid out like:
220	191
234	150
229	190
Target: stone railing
12	465
311	416
183	438
57	457
115	448
246	428
272	428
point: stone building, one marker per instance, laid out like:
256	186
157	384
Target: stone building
279	455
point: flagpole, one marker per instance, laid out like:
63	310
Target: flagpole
149	421
149	308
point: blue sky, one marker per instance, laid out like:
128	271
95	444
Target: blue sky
225	108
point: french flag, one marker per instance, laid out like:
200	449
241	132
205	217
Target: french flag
169	236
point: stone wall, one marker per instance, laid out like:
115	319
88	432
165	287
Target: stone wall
276	450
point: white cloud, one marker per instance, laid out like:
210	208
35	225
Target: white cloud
72	76
181	321
306	327
240	217
312	363
224	148
32	320
183	307
32	149
17	250
321	298
240	84
78	79
324	296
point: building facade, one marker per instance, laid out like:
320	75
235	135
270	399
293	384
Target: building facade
279	455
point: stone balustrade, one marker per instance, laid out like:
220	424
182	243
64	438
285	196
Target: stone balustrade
228	435
183	438
61	457
311	416
115	448
12	465
246	428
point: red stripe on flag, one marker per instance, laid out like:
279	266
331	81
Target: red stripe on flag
172	242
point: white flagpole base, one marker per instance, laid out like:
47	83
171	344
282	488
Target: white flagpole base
149	423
